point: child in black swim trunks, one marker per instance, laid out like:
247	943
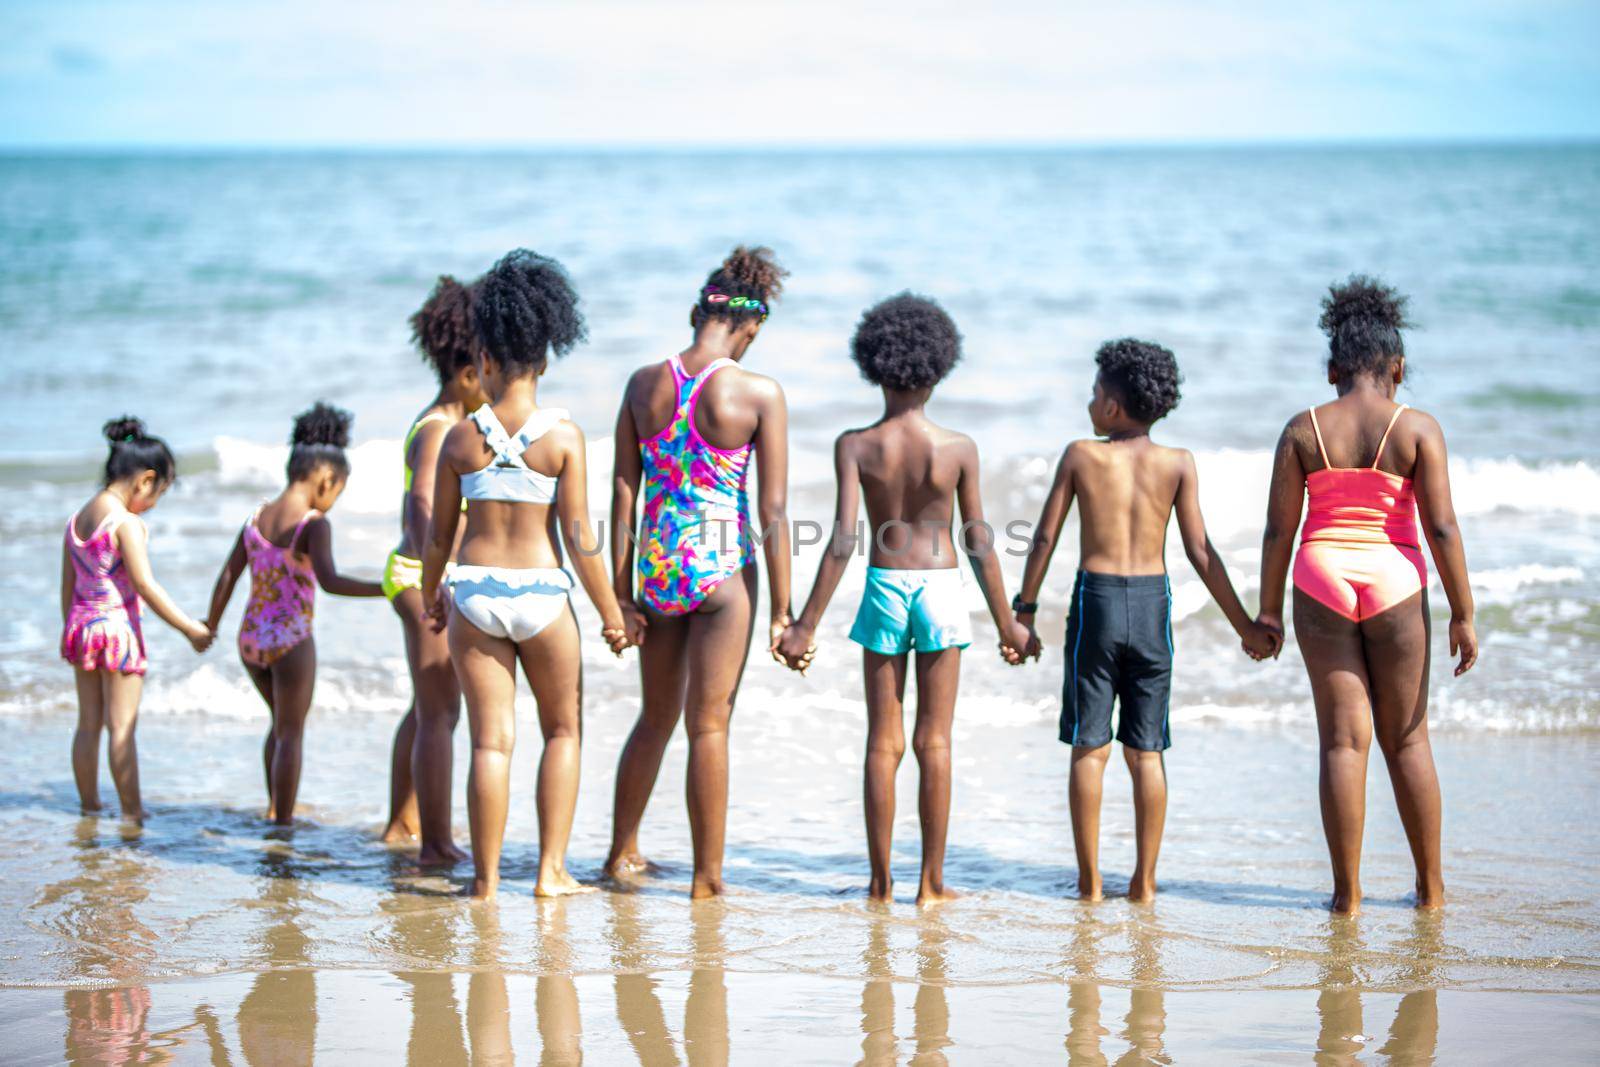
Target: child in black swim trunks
1119	624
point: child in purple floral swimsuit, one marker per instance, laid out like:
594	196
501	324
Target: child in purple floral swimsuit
288	547
105	577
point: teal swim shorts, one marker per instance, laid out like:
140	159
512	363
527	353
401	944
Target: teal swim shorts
906	610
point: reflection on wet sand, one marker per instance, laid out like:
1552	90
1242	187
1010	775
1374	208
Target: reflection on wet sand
1145	1025
639	1010
1414	1034
555	994
930	1009
278	1018
110	1025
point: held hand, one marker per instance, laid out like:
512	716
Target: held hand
615	635
796	647
439	611
774	633
1261	642
634	621
1274	624
1463	642
201	637
1033	648
1014	643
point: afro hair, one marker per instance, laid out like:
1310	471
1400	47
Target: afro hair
524	309
751	273
906	343
442	328
1142	375
321	434
1363	319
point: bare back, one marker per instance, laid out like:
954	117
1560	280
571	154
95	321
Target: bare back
909	469
502	533
1125	492
727	413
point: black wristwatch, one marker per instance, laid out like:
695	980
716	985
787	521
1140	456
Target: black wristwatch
1024	607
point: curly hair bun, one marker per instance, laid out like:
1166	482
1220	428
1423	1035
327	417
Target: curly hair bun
1142	375
322	424
126	428
525	308
755	269
906	343
1363	319
442	327
1362	300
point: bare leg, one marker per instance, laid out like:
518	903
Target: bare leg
938	676
293	678
122	716
86	738
1397	663
402	797
885	678
663	674
437	703
553	662
1084	788
719	643
1149	772
487	668
1331	646
261	678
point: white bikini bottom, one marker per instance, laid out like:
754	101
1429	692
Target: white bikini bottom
509	602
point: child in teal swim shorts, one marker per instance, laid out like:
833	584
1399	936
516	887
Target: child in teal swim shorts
912	473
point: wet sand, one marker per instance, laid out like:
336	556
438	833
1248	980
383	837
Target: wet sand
212	936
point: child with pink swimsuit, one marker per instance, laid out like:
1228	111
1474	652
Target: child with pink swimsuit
288	548
105	579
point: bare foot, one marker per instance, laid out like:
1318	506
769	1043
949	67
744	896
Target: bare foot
91	807
627	865
930	895
559	883
1430	897
443	855
398	833
485	889
705	888
1089	889
881	891
1141	892
1345	903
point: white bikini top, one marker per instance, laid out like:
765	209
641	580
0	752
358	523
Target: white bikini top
508	477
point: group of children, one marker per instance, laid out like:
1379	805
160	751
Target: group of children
496	489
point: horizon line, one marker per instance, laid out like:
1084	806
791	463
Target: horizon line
779	147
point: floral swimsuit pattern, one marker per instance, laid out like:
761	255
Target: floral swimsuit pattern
283	588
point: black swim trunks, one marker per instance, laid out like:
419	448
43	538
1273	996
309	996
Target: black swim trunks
1119	648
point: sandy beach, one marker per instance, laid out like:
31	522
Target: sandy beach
208	934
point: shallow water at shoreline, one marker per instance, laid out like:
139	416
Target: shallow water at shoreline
208	904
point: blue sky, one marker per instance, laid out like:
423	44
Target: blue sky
498	72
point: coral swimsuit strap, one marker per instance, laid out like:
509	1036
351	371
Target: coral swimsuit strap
1383	442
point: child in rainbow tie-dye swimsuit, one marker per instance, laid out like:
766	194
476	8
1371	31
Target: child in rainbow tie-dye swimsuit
687	432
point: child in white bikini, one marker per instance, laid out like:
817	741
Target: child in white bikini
912	473
508	595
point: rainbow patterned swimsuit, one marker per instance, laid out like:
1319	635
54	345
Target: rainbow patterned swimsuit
696	519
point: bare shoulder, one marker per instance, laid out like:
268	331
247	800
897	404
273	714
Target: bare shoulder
1080	451
461	443
566	435
1419	422
1179	460
753	384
